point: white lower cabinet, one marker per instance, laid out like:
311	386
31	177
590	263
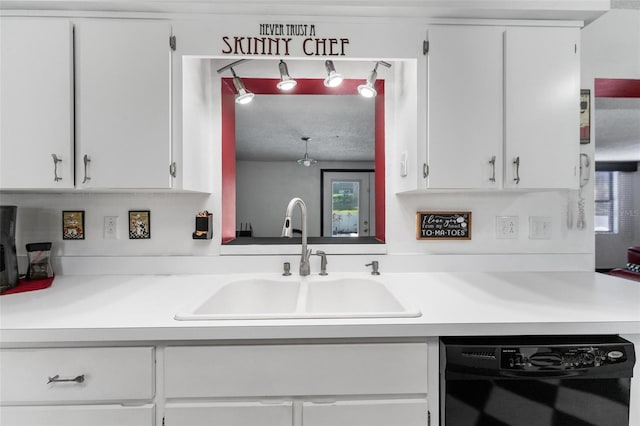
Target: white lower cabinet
229	414
401	412
77	415
77	386
372	384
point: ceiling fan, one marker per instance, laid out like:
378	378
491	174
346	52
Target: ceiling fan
306	161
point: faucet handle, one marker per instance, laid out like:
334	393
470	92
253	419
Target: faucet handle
374	267
287	269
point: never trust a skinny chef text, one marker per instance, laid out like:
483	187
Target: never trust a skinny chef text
278	39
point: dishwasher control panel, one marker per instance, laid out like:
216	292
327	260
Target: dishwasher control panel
532	358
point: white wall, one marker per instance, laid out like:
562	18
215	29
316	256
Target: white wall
263	190
173	214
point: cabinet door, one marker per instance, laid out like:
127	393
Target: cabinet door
77	415
400	412
465	134
229	414
36	103
542	87
123	84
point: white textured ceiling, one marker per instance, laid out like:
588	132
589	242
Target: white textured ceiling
270	128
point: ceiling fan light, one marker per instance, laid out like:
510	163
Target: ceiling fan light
306	161
334	79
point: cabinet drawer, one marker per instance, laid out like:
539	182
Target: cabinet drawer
278	370
78	415
402	412
108	374
229	414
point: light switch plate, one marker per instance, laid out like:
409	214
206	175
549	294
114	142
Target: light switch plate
507	227
540	227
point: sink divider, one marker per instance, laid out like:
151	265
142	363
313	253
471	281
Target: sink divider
303	292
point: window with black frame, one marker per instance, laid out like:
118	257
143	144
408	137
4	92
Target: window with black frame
606	197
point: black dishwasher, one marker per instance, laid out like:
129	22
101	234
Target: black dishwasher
535	380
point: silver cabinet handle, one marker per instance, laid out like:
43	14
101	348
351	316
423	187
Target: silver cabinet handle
57	379
425	170
56	160
493	169
516	163
87	160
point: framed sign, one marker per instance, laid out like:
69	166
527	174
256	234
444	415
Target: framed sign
73	225
443	225
585	116
139	224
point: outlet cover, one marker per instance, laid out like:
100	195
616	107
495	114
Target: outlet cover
507	227
540	227
110	231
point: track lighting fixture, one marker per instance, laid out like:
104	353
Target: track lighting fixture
333	79
286	82
243	96
367	90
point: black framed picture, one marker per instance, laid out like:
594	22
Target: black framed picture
139	224
585	116
73	225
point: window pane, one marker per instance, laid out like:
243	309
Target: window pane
345	208
603	186
607	202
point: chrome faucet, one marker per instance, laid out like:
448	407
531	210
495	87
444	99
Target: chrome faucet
287	232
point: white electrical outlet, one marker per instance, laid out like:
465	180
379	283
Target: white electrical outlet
507	227
540	227
110	228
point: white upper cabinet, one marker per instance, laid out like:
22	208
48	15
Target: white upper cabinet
36	103
465	107
542	88
123	95
502	107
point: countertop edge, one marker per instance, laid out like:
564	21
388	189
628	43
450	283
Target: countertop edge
168	335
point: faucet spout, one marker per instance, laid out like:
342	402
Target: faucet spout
287	232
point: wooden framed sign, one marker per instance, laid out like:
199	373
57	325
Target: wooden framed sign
443	225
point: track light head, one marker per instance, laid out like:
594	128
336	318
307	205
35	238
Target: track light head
243	96
333	79
367	90
286	82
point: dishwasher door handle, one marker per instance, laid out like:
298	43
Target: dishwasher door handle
549	374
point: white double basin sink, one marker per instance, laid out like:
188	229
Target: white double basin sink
301	298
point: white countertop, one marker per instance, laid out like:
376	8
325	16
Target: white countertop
141	308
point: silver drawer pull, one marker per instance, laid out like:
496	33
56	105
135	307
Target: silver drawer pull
516	163
86	160
56	160
492	162
57	379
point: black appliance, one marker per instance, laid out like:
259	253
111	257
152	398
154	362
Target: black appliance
535	380
9	260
